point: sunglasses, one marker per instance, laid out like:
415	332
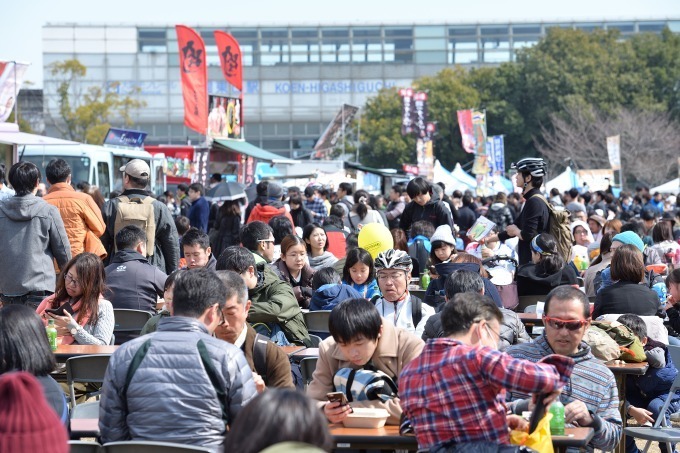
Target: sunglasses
569	324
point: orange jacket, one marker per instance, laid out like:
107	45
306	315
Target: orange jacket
78	211
264	213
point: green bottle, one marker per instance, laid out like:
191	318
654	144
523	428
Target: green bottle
425	280
557	421
52	334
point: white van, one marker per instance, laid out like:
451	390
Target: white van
97	165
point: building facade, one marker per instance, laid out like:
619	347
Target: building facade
295	77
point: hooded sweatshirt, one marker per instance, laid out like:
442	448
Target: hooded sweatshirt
434	211
328	296
591	382
32	234
265	212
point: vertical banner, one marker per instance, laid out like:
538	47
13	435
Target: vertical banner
194	73
407	112
425	155
498	153
614	151
430	130
420	111
11	78
230	58
479	127
466	130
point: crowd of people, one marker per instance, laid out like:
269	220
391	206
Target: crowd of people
457	366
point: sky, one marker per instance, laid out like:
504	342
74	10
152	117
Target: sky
21	32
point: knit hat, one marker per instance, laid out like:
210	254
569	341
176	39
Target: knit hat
27	423
629	237
443	233
274	191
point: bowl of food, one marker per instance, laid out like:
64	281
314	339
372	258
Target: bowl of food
366	417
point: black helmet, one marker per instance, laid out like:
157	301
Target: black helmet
535	166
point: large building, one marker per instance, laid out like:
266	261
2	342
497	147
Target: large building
295	77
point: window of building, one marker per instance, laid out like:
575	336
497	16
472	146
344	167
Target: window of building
623	28
152	40
526	30
398	45
654	27
588	27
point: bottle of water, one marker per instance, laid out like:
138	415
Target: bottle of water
52	334
557	421
425	280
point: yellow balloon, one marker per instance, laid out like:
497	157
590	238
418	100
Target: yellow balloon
375	238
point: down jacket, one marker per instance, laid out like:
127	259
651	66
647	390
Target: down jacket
512	329
170	397
78	211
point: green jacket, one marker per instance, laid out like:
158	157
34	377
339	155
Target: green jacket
273	301
152	324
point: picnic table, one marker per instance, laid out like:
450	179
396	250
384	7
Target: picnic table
66	351
621	371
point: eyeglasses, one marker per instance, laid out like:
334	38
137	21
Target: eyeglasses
70	280
388	277
223	321
569	324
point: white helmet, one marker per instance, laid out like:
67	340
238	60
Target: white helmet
394	259
535	166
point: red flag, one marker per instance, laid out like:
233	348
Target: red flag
194	72
466	130
230	58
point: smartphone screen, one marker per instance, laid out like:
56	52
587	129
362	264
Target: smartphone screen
337	397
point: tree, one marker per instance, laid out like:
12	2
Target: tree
649	141
86	116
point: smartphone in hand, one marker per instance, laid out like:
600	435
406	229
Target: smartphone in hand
338	397
66	307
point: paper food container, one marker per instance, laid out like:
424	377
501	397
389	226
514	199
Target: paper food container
365	417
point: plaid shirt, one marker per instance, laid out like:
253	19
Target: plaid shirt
318	209
455	392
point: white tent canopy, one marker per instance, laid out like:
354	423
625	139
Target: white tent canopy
564	181
669	187
457	179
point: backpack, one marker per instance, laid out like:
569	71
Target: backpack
630	346
365	384
601	344
558	226
138	211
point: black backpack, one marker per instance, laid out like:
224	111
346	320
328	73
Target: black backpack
416	308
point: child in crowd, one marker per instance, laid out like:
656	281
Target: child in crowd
443	245
152	324
329	290
359	273
646	394
182	224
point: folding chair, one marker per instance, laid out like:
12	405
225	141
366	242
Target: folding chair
79	446
88	369
128	324
659	433
525	301
317	321
139	446
315	340
307	367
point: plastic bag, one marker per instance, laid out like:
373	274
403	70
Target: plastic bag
540	440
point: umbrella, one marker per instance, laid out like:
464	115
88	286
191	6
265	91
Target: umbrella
226	191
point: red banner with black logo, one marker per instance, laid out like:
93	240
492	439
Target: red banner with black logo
230	58
193	68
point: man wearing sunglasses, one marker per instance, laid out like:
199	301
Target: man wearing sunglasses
591	398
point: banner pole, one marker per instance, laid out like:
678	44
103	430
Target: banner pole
343	128
16	100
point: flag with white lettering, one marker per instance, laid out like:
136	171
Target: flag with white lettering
194	72
407	110
11	78
420	113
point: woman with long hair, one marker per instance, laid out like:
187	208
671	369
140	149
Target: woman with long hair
294	269
317	247
86	318
362	213
664	244
24	347
228	224
547	269
600	262
626	295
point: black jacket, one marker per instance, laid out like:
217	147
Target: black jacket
301	217
133	283
434	211
626	297
434	295
466	218
228	228
532	279
166	250
532	220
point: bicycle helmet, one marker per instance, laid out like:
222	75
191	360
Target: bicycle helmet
394	259
535	166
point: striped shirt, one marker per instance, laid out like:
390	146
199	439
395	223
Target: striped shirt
456	392
591	382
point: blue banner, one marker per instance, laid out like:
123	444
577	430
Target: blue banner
124	137
499	153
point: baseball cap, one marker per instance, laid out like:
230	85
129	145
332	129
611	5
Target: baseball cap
136	168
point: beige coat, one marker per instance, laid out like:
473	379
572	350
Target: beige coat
396	348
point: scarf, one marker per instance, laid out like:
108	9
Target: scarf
48	302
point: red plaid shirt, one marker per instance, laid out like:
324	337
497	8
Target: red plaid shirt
455	392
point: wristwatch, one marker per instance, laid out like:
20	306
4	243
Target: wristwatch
74	329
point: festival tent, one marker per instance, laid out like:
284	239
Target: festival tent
564	181
669	187
457	179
